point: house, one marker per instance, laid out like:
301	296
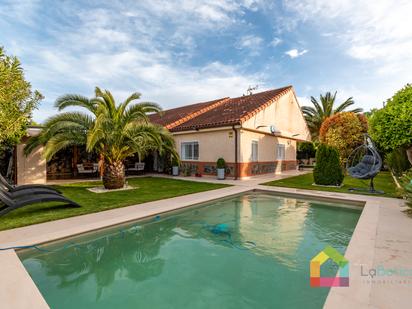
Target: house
255	134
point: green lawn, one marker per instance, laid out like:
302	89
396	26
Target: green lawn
383	181
147	189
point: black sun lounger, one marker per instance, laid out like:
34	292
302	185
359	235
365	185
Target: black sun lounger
25	192
21	201
4	183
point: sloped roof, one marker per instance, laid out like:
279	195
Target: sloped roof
217	113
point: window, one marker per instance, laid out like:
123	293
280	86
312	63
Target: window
189	151
254	151
280	154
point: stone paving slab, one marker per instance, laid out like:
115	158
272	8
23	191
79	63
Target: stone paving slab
17	290
383	235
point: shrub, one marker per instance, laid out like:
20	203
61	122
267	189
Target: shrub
345	132
328	170
187	170
175	162
406	183
220	163
391	126
17	100
397	161
306	150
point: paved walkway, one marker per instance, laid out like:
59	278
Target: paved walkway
382	240
249	182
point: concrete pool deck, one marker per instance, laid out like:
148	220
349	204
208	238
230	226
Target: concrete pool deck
382	237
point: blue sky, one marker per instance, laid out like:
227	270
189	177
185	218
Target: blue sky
186	51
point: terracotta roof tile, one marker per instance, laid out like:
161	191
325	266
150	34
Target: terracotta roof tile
171	116
218	113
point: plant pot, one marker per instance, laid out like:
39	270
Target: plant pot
220	173
175	171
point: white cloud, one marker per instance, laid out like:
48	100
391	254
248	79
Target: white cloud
276	41
376	31
153	73
377	34
22	11
128	47
161	82
304	101
294	53
252	43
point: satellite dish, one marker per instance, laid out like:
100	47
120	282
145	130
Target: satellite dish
273	129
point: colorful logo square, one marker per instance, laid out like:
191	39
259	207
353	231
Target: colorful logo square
342	278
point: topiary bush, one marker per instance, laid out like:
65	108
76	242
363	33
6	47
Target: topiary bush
175	162
345	131
220	163
328	170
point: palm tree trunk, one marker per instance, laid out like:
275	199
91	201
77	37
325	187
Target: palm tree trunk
113	176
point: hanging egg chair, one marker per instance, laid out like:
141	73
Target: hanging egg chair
365	163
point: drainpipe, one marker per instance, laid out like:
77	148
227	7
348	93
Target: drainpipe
236	153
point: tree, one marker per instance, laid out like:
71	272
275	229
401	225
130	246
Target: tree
306	150
391	126
114	131
344	131
327	171
17	100
315	116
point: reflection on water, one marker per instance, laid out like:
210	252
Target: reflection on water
277	231
249	251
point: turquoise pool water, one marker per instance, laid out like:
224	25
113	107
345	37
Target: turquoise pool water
248	251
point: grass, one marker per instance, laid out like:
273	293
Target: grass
383	181
147	189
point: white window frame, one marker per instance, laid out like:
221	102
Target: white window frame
280	152
183	153
254	157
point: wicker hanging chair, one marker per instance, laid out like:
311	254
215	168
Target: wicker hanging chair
365	163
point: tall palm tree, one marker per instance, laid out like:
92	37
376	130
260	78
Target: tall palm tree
113	131
315	116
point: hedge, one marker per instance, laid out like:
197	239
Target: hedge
328	170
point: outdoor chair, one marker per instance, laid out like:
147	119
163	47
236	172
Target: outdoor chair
28	191
137	167
82	169
365	163
12	203
10	188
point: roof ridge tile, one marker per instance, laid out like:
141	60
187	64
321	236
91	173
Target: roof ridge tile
266	104
196	113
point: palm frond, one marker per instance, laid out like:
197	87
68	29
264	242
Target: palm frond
344	105
130	99
62	141
356	110
115	132
70	100
323	109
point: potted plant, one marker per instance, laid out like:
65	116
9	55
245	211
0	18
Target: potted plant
175	167
198	174
187	170
220	165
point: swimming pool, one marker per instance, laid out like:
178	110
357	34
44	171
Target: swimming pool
248	251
